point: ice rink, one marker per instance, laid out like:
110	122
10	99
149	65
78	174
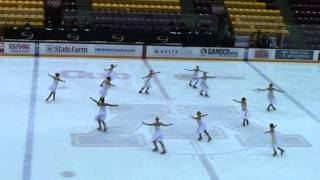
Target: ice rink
58	140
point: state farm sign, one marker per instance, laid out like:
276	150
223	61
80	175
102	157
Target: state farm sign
65	49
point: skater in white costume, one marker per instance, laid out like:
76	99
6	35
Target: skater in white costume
105	85
109	72
54	85
102	114
195	76
158	134
203	84
274	140
244	111
271	98
147	81
201	126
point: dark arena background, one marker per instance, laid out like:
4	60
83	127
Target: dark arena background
159	89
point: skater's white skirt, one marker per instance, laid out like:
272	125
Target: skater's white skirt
54	86
201	127
274	142
101	116
245	114
195	76
147	83
204	86
157	135
103	92
272	99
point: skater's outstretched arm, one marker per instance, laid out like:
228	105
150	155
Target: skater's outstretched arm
259	89
211	77
102	83
148	124
155	73
278	90
237	101
190	69
94	100
204	115
51	75
61	80
146	76
166	124
107	104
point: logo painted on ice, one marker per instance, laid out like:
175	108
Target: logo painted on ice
126	122
78	74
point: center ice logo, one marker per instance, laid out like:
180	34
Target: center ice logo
124	127
79	74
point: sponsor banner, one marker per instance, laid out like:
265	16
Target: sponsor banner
117	50
18	48
213	52
1	47
316	55
169	51
64	49
291	54
262	54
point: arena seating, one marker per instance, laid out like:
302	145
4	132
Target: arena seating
20	12
138	5
209	6
137	15
307	13
250	16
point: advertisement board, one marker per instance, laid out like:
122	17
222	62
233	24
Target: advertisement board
262	54
169	51
219	53
1	47
195	52
118	50
19	48
64	49
292	54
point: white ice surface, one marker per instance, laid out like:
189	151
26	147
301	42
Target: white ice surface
187	159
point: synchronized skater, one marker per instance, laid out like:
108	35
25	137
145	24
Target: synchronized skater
147	82
201	126
157	137
274	140
203	84
102	113
54	85
244	111
105	85
271	98
195	76
109	72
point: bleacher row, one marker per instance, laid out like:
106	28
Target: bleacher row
19	12
246	16
136	15
307	13
250	16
